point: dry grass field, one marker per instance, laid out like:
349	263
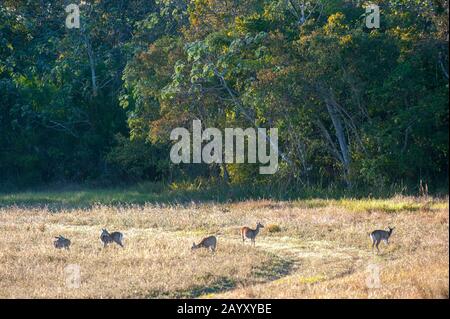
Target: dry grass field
308	249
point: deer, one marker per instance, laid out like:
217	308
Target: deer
108	238
249	233
207	242
380	235
61	242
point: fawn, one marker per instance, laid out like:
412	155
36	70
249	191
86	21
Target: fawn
207	242
378	235
61	242
107	238
249	233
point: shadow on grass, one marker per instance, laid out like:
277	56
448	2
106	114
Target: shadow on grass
272	270
275	269
222	284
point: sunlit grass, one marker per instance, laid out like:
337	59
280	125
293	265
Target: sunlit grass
392	205
313	249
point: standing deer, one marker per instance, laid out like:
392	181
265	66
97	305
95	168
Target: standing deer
380	235
249	233
107	238
208	243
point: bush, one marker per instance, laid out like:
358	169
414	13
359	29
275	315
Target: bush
273	228
137	160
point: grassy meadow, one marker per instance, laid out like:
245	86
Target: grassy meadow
309	248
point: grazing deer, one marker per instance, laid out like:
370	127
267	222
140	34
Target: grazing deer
208	243
108	238
61	242
249	233
378	235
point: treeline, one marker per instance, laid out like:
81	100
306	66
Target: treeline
355	107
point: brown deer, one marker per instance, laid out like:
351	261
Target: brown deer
114	237
249	233
380	235
207	242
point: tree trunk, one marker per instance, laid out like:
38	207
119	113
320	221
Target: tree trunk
91	58
91	65
340	135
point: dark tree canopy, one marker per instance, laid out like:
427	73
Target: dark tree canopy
354	106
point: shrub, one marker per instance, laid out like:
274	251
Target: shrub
273	228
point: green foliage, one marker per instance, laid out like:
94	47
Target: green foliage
354	107
135	160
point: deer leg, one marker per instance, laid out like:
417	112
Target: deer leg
377	246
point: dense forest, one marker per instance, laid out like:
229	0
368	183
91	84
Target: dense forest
354	107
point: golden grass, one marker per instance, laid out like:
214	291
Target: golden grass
310	249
